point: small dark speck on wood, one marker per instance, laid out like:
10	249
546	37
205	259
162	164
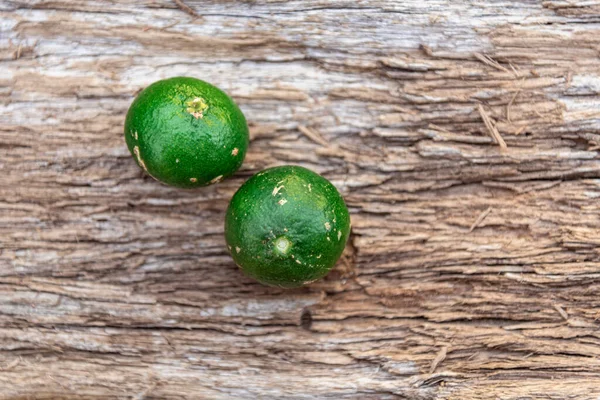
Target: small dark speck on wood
306	319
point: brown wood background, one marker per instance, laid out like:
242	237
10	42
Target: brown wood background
464	136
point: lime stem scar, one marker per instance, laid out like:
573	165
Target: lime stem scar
196	107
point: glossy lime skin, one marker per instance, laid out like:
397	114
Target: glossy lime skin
186	133
287	226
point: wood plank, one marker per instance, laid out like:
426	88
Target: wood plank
473	272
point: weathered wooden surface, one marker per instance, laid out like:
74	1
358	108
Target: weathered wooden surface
473	271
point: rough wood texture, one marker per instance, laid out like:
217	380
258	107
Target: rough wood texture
463	134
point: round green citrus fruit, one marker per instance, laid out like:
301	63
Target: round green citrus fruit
186	133
287	226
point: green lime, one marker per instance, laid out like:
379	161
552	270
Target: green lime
287	226
186	133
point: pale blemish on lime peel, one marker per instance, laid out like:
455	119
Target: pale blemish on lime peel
196	107
277	189
282	245
282	202
135	135
136	151
319	256
217	179
235	152
309	188
193	180
237	249
339	235
327	226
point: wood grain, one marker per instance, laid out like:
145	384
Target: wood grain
473	271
